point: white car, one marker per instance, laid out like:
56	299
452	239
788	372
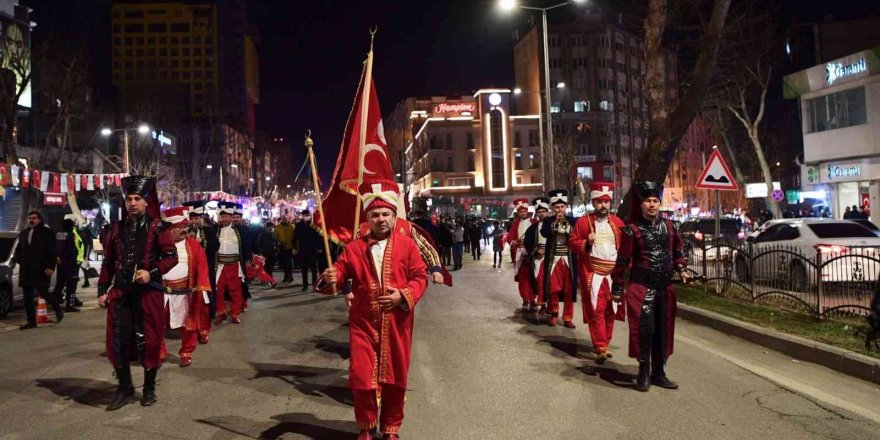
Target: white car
787	251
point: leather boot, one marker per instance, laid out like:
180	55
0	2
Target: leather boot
643	382
124	391
658	377
149	393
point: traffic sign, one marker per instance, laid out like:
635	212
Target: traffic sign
717	175
777	195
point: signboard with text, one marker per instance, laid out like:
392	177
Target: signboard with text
455	108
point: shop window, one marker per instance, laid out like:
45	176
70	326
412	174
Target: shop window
836	110
517	161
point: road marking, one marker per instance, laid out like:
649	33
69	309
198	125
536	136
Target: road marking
788	383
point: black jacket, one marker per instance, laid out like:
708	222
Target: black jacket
34	258
266	245
306	240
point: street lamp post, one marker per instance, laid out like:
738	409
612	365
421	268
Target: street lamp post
142	129
511	4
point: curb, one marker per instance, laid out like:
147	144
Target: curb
838	359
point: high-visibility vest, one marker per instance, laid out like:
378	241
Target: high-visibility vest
80	248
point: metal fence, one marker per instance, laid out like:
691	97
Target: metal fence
825	282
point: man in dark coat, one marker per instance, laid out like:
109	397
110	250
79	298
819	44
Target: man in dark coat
267	246
138	250
307	244
70	250
35	255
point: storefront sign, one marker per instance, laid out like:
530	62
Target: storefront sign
810	175
759	190
462	107
54	199
836	171
835	71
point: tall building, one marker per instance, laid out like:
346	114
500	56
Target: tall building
597	100
168	43
468	154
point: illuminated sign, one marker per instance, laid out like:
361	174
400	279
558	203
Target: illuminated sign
54	199
461	107
759	190
835	71
835	171
495	99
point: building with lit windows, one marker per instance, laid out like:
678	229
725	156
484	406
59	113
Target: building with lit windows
469	155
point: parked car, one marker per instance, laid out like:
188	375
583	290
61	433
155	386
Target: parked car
699	233
787	251
868	224
9	290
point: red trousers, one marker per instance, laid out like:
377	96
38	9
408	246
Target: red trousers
601	319
560	286
188	339
229	283
526	282
366	408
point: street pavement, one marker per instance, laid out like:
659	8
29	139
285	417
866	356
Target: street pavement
479	371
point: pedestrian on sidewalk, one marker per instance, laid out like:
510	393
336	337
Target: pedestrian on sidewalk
497	236
35	255
457	243
69	249
378	371
138	250
284	235
445	234
474	235
85	234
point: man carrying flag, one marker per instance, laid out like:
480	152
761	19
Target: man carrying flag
388	277
595	240
522	262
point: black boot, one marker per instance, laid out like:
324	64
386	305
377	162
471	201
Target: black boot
643	382
124	391
658	376
149	393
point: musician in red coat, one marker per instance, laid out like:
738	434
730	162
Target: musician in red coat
137	252
522	263
388	277
651	248
187	285
595	240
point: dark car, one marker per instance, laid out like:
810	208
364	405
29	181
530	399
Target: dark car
704	229
9	290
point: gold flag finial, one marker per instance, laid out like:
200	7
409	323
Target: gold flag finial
309	142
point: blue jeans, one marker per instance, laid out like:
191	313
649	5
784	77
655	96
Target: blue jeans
457	250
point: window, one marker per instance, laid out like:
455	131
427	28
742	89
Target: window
519	180
840	230
533	138
580	83
555	63
581	106
583	149
554	41
579	63
837	110
606	106
449	141
533	161
470	163
470	140
608	173
556	107
448	163
585	173
517	161
496	149
517	140
179	27
156	27
460	181
577	40
434	143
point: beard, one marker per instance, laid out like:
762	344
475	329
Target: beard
603	212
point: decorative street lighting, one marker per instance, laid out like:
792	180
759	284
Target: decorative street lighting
141	129
512	4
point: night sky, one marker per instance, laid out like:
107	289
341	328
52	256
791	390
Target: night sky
312	52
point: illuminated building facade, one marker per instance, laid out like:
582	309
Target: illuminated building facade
469	155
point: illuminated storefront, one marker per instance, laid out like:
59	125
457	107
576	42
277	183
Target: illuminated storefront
840	114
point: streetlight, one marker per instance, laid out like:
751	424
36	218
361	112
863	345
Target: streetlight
142	129
560	85
512	4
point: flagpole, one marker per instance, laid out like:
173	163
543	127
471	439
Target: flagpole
311	155
366	93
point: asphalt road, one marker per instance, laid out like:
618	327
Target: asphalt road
479	372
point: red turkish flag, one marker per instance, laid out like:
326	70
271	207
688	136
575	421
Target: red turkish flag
71	183
340	200
4	174
54	182
36	178
25	178
98	181
83	181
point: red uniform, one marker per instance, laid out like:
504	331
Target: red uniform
522	262
231	256
381	342
595	264
187	286
135	329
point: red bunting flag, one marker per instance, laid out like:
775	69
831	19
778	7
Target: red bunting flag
54	183
4	174
36	178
